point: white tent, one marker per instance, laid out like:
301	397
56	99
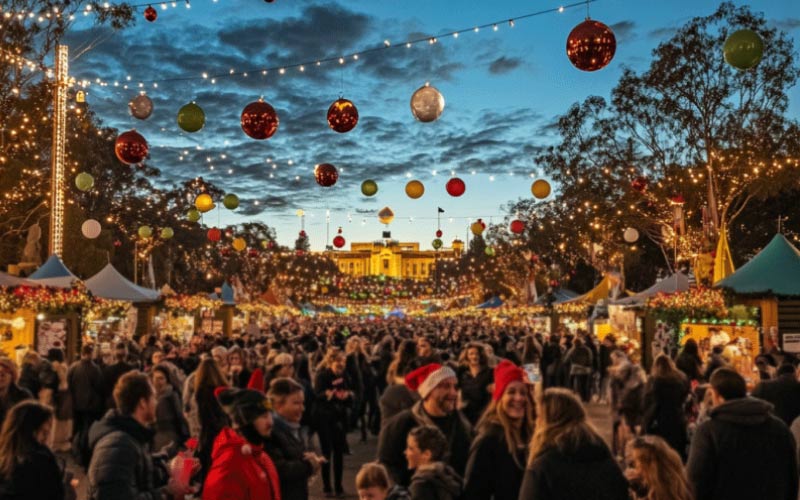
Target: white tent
110	284
677	282
53	273
8	280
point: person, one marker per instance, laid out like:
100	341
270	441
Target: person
55	393
239	371
689	362
287	445
85	382
580	360
664	398
171	426
28	469
10	392
498	455
474	378
112	373
436	385
425	353
397	396
551	361
282	366
627	390
715	360
743	451
354	372
607	346
372	483
206	418
568	459
240	468
783	393
121	466
433	479
765	369
656	472
333	398
29	373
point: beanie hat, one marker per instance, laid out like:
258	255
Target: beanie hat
242	405
9	365
425	379
505	373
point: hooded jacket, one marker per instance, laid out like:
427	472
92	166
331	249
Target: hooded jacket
743	452
240	471
437	481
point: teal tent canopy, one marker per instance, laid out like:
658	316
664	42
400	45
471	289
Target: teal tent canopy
774	270
53	273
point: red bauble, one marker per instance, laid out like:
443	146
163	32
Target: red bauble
131	148
338	241
117	243
214	234
455	187
342	116
639	184
591	45
302	233
326	174
439	233
225	251
259	120
253	252
150	13
517	226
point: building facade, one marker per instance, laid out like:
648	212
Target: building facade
391	258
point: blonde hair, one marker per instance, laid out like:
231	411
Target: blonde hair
561	424
371	475
661	468
331	355
463	359
516	437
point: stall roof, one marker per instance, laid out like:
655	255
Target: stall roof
598	293
110	284
677	282
226	295
774	270
11	280
53	273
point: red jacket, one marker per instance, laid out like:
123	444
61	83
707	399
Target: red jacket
240	471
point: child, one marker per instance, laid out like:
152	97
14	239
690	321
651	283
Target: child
372	483
433	479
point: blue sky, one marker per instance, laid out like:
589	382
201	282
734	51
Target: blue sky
503	91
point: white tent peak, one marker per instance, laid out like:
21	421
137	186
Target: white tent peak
110	284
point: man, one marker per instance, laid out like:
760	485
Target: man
715	361
437	387
112	373
86	386
742	451
10	392
783	393
121	467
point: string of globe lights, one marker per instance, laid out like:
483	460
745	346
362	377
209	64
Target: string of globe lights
46	14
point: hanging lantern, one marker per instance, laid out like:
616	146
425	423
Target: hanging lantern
540	189
90	229
369	187
639	184
204	202
130	147
517	226
439	233
455	187
478	227
415	189
84	182
386	216
145	232
259	120
427	103
231	201
140	107
193	215
239	244
743	49
339	241
214	234
342	116
191	117
150	13
436	244
631	235
489	251
591	45
167	233
326	174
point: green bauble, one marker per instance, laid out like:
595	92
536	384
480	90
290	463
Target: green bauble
743	49
437	244
191	117
369	187
193	215
145	232
84	181
231	201
167	233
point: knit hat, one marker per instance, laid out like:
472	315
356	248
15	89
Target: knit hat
10	366
425	379
242	405
505	373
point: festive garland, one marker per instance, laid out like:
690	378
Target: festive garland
190	304
674	308
103	308
573	308
48	300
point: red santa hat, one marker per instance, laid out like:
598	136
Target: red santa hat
426	378
505	373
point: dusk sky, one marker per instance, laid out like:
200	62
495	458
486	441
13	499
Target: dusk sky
503	89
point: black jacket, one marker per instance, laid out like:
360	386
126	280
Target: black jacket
690	365
38	477
437	481
286	452
492	472
171	424
85	380
121	467
587	473
14	395
474	392
396	398
111	374
743	452
784	394
664	399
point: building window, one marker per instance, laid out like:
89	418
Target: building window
415	270
351	267
386	264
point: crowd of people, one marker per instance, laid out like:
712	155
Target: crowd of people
463	408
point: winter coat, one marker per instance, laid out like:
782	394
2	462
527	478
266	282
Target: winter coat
743	452
586	473
85	380
627	391
690	365
37	477
396	398
784	394
663	415
111	375
29	379
580	356
122	467
326	409
392	440
286	451
240	471
474	392
14	395
437	481
171	425
492	472
714	361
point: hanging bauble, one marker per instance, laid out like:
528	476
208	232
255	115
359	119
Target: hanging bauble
231	201
439	233
204	202
489	251
239	244
191	117
339	241
540	189
117	243
326	174
631	235
229	233
150	13
145	232
386	216
591	45
415	189
84	181
427	103
167	233
517	226
369	187
436	244
193	215
90	229
743	49
264	244
302	233
639	184
140	107
455	187
259	120
214	234
342	116
477	227
131	148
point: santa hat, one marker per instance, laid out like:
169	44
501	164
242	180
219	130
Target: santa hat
425	379
505	373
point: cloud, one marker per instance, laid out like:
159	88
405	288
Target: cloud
788	24
663	33
624	31
504	64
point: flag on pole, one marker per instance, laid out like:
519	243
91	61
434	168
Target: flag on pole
441	210
723	263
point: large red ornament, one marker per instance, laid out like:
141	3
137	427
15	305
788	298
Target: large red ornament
150	13
517	226
326	174
214	234
339	241
131	148
259	120
439	233
342	116
639	184
455	187
591	45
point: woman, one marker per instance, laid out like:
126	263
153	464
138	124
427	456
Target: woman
356	361
171	425
333	397
397	396
664	401
28	469
689	362
238	370
497	457
627	390
281	365
656	472
55	393
474	378
568	459
206	417
579	359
